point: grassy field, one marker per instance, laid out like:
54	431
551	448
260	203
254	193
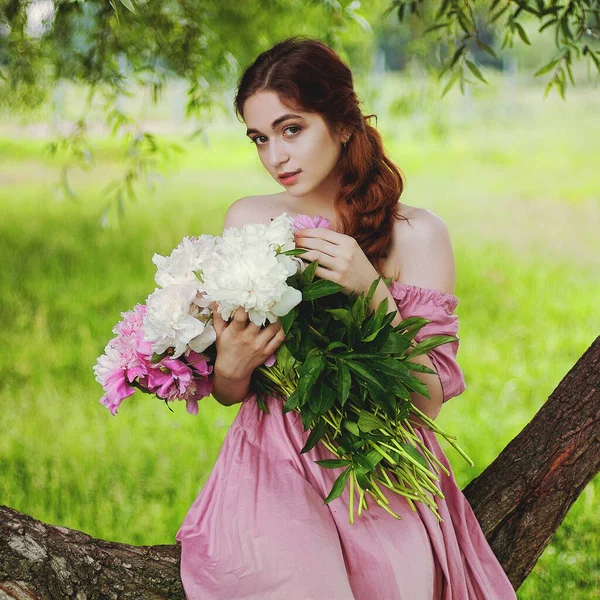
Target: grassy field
515	179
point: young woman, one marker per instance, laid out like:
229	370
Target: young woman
259	529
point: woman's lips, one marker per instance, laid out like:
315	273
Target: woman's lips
290	179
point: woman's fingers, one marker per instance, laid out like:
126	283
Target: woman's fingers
276	341
218	322
270	331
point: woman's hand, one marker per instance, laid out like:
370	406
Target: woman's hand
241	345
340	258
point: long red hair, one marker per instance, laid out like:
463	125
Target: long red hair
309	76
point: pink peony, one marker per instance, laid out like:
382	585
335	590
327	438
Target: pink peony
117	389
199	363
306	222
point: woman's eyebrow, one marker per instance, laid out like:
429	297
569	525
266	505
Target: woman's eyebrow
276	122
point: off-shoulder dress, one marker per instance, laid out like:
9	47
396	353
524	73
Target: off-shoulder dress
259	529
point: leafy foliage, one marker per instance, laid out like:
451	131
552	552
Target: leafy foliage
458	26
112	45
349	376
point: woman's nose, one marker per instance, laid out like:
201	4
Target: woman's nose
277	153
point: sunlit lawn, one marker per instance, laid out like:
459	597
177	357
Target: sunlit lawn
518	190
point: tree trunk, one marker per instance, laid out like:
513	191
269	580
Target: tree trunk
523	496
520	500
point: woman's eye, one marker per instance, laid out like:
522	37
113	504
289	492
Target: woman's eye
255	140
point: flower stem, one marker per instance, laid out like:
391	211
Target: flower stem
352	497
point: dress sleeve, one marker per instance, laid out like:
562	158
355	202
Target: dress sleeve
438	307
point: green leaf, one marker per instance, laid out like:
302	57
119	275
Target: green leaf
363	480
294	252
311	368
372	336
459	51
362	470
475	71
364	372
260	402
400	390
547	24
352	427
333	463
485	47
450	83
128	5
568	65
344	381
354	335
307	276
428	344
434	27
292	402
410	322
288	320
564	25
374	458
419	368
495	17
359	355
308	374
395	344
385	399
335	346
338	486
323	399
315	435
378	320
521	32
320	289
359	310
414	453
307	416
368	422
442	9
414	384
547	67
363	463
389	366
341	314
371	291
156	358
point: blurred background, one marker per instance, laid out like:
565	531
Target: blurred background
90	190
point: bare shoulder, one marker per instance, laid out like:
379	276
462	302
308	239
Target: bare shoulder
423	224
252	209
422	250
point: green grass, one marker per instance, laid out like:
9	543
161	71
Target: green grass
519	194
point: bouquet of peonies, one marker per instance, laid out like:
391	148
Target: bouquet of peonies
347	373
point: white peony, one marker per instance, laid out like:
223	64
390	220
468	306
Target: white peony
186	259
246	270
242	268
170	321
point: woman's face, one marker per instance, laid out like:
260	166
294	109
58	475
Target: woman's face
287	143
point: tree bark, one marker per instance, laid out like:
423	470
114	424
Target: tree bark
520	501
523	496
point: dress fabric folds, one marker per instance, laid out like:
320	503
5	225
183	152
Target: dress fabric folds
259	529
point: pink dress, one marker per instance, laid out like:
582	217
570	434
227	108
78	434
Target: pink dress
259	529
